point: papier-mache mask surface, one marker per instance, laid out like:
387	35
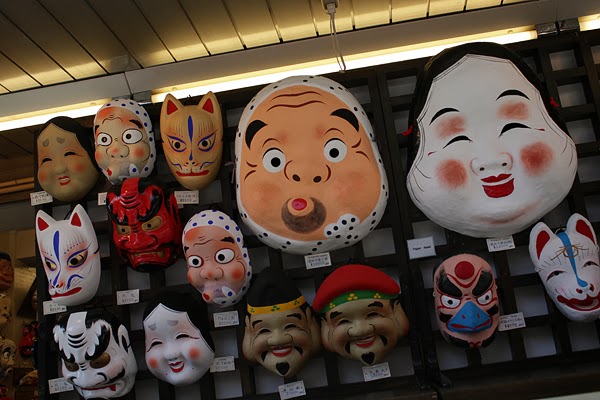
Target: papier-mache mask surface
281	332
192	139
124	140
71	256
7	272
361	311
492	155
567	263
179	348
29	336
218	261
146	224
96	354
466	301
8	350
5	310
309	175
64	158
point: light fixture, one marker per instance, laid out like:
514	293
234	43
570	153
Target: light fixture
589	22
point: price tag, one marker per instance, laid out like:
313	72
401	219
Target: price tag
317	260
229	318
102	198
128	297
377	371
223	364
421	247
187	197
291	390
509	322
38	198
50	307
499	244
59	385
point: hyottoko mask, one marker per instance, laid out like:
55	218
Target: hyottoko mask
281	332
8	350
192	139
567	263
71	256
493	156
124	140
309	175
96	354
218	261
466	301
29	336
362	316
146	225
179	348
7	272
64	158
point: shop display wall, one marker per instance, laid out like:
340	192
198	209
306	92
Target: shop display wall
423	364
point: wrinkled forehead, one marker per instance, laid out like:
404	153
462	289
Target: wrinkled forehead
297	98
111	113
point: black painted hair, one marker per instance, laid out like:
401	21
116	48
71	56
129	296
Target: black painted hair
5	256
93	316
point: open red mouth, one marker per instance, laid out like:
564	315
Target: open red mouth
112	387
205	172
69	293
501	190
64	180
281	351
177	366
588	304
365	342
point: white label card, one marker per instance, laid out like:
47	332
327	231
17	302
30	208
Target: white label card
38	198
499	244
509	322
228	318
317	260
291	390
128	297
102	198
187	197
59	385
223	364
421	247
377	371
50	307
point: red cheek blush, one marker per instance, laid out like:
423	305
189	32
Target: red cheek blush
194	353
152	363
138	153
452	174
536	158
79	167
237	274
450	126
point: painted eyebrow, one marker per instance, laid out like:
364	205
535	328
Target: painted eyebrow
442	112
484	283
256	322
172	322
347	116
376	304
136	122
334	314
296	315
252	130
446	286
228	239
512	92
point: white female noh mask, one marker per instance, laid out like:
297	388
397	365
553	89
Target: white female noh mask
567	263
493	156
71	256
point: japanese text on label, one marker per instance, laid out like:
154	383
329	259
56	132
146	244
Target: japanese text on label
291	390
229	318
317	260
421	247
511	321
50	307
377	371
38	198
499	244
102	198
59	385
222	364
128	297
187	197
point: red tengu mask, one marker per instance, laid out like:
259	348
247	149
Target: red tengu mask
28	339
146	224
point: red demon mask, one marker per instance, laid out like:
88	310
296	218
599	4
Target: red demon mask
28	339
146	224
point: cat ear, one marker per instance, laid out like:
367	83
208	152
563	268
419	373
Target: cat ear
79	217
577	223
538	238
170	105
210	104
43	221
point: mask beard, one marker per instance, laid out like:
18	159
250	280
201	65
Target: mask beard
368	358
305	223
283	368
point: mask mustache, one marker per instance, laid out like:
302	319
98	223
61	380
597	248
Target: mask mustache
305	223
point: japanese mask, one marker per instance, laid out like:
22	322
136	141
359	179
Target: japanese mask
8	350
28	338
7	272
309	175
71	256
466	301
124	140
492	154
64	159
179	348
567	263
5	310
218	262
281	332
192	139
146	224
362	316
96	354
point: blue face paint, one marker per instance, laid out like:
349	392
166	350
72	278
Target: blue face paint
570	254
191	133
470	319
55	243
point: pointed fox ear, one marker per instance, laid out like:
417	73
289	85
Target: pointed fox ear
170	105
43	221
210	104
578	223
79	217
538	238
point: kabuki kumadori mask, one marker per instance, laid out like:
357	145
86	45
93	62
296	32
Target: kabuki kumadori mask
124	140
5	310
7	272
309	175
281	332
179	348
192	139
29	336
466	301
567	263
146	224
362	316
65	154
96	354
217	259
71	256
492	154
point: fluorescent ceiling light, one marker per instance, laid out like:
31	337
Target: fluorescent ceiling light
589	22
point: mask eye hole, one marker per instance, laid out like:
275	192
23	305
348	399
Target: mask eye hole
78	259
51	265
101	361
335	150
554	274
207	142
224	256
132	136
486	298
72	367
176	144
449	302
103	139
274	160
123	230
195	261
153	224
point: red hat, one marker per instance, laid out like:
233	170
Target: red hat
352	279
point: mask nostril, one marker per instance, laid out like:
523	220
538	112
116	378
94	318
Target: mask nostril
317	179
481	169
296	178
504	164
